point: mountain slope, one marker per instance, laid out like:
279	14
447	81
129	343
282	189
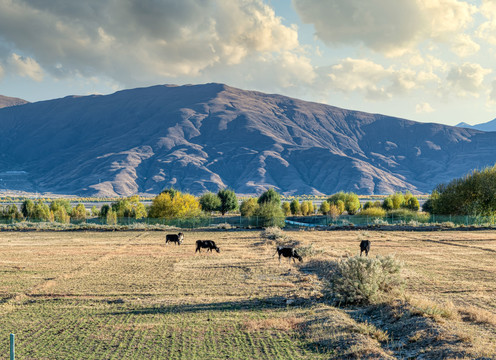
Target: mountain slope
205	137
6	101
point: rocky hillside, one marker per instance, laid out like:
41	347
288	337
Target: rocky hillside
204	137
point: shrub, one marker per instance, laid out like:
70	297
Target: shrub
274	233
407	215
366	280
374	212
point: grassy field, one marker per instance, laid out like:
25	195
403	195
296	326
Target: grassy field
125	295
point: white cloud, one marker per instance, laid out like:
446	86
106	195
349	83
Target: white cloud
467	79
464	46
137	41
423	108
389	27
373	80
492	93
25	66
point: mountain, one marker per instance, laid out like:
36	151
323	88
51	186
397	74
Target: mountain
6	101
487	126
205	137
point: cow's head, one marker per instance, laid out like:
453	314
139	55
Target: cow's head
296	255
180	237
217	249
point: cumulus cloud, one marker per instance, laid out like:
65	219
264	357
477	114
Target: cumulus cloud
423	108
487	30
389	27
25	66
467	79
373	80
140	40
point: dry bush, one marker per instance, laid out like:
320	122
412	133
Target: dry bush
274	233
366	280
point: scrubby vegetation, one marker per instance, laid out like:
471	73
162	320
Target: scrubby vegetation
366	280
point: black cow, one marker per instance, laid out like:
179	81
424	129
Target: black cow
206	244
287	252
175	238
365	246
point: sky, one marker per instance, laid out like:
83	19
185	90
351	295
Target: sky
424	60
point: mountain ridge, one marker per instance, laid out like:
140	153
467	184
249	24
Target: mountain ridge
201	138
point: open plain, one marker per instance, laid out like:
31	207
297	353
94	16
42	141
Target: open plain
127	295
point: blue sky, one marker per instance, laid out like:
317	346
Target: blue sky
425	60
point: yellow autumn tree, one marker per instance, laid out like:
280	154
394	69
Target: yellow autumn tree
177	206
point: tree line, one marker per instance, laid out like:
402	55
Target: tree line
174	204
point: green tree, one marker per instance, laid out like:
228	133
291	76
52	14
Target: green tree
325	207
104	210
130	207
11	212
334	198
387	204
340	206
286	208
58	203
413	204
270	196
41	211
79	213
398	200
27	208
248	207
270	214
368	205
111	217
472	194
228	201
304	208
295	207
171	191
210	202
60	215
352	203
95	211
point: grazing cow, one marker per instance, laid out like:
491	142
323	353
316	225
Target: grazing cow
365	246
175	238
206	244
287	252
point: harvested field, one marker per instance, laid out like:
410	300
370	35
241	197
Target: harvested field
126	295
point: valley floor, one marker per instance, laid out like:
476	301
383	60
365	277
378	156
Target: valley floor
127	295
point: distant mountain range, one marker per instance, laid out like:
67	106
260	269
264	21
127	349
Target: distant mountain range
488	126
201	138
10	101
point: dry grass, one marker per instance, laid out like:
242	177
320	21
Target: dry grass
172	297
283	324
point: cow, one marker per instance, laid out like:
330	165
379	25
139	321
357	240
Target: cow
175	238
288	252
206	244
365	246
